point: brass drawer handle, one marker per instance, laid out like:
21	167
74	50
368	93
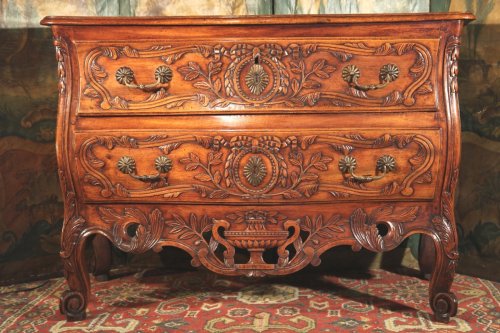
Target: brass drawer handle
126	77
385	164
127	165
387	74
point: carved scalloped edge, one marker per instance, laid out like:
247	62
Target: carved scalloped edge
322	234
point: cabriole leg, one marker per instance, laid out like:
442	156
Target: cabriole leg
73	302
443	302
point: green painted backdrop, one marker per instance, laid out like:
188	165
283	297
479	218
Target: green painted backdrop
30	202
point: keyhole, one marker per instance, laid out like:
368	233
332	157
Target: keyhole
256	60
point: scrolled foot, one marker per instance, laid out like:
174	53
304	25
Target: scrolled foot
72	304
444	306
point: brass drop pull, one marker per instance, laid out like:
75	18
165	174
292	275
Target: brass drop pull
163	164
387	74
163	75
385	164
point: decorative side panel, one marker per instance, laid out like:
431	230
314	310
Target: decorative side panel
246	167
328	75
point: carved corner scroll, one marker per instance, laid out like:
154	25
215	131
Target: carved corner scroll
299	241
264	75
265	167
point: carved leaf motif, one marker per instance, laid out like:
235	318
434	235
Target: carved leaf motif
203	177
307	140
205	50
148	233
394	98
418	67
203	99
384	49
311	98
291	194
162	93
391	188
214	158
219	194
213	244
191	71
342	56
172	194
297	67
318	161
340	195
403	140
319	227
90	92
308	189
217	177
175	103
311	84
217	85
119	103
356	92
402	48
425	178
202	190
167	149
92	180
425	88
214	67
202	85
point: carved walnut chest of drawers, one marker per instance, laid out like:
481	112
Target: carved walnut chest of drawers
259	134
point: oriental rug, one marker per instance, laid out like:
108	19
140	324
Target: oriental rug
200	301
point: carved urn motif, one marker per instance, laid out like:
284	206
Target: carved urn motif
257	231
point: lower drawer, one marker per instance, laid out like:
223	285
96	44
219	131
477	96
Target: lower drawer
257	166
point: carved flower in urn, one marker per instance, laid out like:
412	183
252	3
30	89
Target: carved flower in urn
257	79
255	170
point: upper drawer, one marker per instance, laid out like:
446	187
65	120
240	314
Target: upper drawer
286	75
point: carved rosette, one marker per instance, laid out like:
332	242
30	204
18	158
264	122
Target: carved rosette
266	167
257	231
264	75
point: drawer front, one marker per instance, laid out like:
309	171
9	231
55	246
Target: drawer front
258	167
322	75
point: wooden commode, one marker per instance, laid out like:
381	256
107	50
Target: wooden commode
291	134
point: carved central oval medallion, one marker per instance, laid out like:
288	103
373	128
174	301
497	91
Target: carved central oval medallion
257	79
255	170
256	83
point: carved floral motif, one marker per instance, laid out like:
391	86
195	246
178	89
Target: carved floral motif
290	171
262	75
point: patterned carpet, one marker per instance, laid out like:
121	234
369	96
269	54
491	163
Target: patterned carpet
199	301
